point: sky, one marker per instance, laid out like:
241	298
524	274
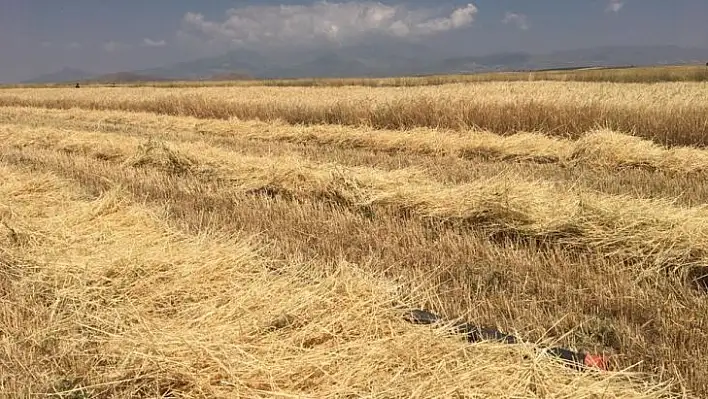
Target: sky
43	36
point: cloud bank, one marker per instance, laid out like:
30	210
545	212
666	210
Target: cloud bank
323	22
519	20
614	6
147	42
113	46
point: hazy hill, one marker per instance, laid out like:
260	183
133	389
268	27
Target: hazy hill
230	76
385	59
63	75
243	61
355	60
70	75
598	56
124	77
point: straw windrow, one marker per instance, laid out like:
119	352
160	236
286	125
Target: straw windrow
124	306
656	231
600	149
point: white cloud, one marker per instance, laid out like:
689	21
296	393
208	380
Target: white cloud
113	46
322	22
147	42
614	6
520	20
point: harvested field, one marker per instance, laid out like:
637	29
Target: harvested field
259	242
667	113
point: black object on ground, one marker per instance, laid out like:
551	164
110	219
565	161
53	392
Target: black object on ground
576	360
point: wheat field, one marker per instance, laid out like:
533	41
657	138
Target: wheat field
667	113
262	241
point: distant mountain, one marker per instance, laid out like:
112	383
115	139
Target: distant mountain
597	57
382	59
123	77
387	59
68	75
229	76
63	75
371	59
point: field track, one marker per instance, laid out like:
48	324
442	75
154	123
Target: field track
181	250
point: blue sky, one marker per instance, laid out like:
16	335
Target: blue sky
41	36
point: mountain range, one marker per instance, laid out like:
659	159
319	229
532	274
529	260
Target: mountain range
378	60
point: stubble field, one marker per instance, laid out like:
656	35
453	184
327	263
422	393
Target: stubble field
259	241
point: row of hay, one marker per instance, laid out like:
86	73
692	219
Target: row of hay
666	95
671	117
601	149
101	298
655	233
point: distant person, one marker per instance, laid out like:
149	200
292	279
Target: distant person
77	86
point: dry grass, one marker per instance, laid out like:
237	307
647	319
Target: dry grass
650	172
502	205
667	113
199	256
683	73
101	298
600	149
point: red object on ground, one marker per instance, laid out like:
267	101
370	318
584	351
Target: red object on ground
597	361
